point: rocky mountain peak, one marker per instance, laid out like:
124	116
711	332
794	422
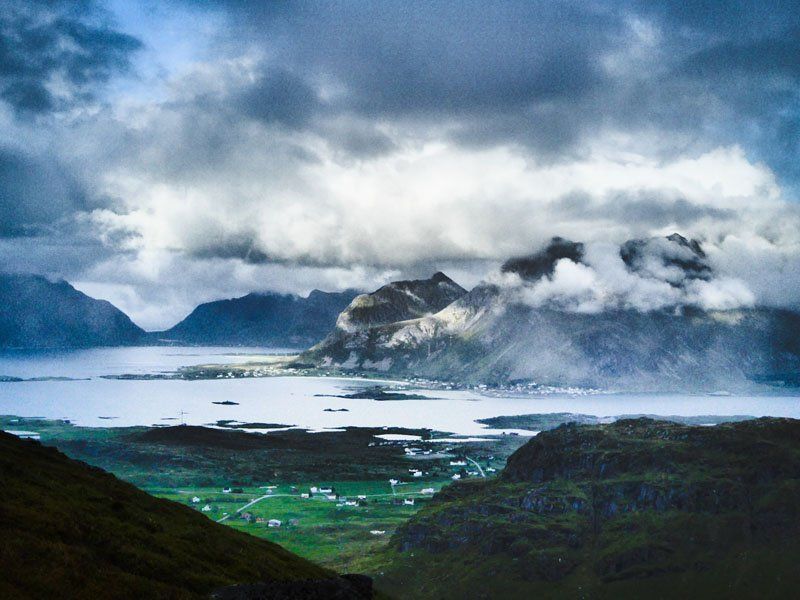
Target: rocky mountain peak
684	257
400	301
542	263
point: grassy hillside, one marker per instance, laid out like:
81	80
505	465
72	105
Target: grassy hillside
631	509
73	531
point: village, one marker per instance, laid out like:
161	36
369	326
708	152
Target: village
335	497
403	493
336	521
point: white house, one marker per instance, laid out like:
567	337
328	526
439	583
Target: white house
362	497
458	463
314	490
305	495
331	496
377	531
273	523
409	501
429	491
351	503
393	481
325	490
206	508
417	473
195	500
455	477
226	490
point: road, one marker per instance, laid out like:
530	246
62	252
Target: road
265	496
249	504
480	470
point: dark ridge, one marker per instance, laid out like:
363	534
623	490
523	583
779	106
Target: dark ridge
74	531
261	319
38	313
346	587
687	255
193	435
623	510
693	244
543	263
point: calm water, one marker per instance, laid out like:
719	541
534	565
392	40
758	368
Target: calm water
294	400
95	362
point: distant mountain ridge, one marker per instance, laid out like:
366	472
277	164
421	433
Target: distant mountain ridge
38	313
492	335
261	319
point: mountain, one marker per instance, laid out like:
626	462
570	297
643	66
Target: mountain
38	313
495	334
73	531
399	301
637	508
261	319
395	303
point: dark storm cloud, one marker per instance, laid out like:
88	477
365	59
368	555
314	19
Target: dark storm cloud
242	246
496	71
759	80
542	74
52	53
277	96
361	137
652	209
35	193
729	18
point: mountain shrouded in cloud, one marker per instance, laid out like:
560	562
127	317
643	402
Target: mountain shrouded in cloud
651	314
642	274
164	155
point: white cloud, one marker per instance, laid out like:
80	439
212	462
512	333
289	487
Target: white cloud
602	282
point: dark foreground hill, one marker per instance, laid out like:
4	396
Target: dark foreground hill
37	313
68	530
261	319
638	508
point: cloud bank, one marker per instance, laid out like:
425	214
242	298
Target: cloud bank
644	275
162	155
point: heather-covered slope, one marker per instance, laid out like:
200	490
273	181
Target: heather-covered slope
261	319
632	509
37	313
72	531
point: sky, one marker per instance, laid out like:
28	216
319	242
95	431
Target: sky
160	155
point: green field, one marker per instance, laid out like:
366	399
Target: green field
322	530
182	463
